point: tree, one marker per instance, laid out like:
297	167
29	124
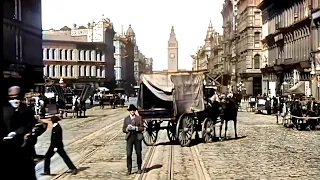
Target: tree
65	28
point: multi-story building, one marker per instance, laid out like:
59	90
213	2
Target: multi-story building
290	38
249	45
149	65
229	13
120	56
81	55
22	41
215	60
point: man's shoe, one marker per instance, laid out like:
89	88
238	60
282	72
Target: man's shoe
139	171
45	173
74	171
128	173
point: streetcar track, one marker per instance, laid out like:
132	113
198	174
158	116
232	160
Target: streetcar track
171	163
87	136
148	160
65	173
202	173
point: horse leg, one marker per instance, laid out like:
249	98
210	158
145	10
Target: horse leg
225	129
214	129
220	135
235	128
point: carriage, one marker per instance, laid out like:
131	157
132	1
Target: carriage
178	99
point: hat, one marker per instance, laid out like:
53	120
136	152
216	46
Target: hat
132	108
14	91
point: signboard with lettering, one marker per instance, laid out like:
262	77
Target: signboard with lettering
79	32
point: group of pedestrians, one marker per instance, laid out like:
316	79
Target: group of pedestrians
20	132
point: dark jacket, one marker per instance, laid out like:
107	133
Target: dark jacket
56	136
138	121
21	122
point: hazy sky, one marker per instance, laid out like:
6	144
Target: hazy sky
150	19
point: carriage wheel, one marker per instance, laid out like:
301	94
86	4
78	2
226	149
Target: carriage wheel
208	127
171	131
150	134
185	129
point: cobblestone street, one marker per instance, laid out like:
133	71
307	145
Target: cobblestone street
264	150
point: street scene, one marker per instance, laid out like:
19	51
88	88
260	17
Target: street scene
264	150
223	89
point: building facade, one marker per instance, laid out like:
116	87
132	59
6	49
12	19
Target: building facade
81	55
249	47
149	65
172	51
289	42
120	61
22	42
229	45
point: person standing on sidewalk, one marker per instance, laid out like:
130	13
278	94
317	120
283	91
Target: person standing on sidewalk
133	126
56	145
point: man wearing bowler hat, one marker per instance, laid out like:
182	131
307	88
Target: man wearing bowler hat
133	126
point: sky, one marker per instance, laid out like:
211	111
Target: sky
151	21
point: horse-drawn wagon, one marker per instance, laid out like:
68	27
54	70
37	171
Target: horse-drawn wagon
179	100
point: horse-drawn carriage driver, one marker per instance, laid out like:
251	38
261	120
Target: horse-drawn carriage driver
133	126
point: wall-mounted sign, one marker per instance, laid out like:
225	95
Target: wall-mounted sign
79	32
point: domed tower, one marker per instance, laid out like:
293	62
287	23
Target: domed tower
172	51
130	34
210	33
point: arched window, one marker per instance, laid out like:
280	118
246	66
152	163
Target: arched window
257	61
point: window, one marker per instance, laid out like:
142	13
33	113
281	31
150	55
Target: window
256	39
257	61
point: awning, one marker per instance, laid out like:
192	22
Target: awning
299	88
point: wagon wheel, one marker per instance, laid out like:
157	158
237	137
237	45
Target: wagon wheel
208	130
150	134
171	131
185	129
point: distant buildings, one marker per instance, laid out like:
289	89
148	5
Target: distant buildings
81	55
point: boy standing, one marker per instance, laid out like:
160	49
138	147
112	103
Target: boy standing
57	146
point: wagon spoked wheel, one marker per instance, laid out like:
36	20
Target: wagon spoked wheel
208	130
171	131
150	134
185	129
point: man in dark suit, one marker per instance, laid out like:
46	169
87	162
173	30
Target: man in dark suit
57	146
133	126
19	120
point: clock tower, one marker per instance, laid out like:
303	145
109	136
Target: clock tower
172	52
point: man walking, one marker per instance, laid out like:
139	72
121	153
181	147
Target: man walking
133	126
56	145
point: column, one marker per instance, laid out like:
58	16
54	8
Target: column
68	54
75	69
81	55
103	72
44	54
93	71
69	70
63	71
50	54
82	70
75	55
103	57
57	71
98	71
98	56
50	70
45	70
87	55
63	54
56	53
93	55
88	69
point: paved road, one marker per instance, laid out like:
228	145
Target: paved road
264	151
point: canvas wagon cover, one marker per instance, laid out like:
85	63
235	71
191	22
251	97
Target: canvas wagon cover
159	84
188	92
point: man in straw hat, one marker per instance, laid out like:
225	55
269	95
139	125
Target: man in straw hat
133	126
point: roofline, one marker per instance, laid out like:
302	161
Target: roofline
75	42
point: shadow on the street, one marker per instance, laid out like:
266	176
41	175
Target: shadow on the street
82	168
234	139
157	166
